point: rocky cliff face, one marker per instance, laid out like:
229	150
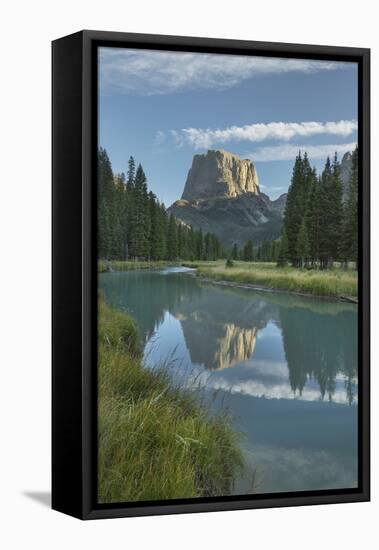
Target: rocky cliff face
220	174
222	196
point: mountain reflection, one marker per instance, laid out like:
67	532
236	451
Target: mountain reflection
218	346
315	342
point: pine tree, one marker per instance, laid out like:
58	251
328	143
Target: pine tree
303	244
235	253
217	248
199	245
172	239
331	213
283	251
336	220
133	224
157	230
325	215
248	252
139	217
192	244
180	234
120	217
274	252
106	203
349	244
208	252
294	209
131	172
312	219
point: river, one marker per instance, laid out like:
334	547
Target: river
283	366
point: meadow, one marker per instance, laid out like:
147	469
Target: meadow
336	282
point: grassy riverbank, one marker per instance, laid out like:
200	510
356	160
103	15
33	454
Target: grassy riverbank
331	283
156	441
116	265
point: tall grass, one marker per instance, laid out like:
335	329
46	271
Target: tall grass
332	283
155	440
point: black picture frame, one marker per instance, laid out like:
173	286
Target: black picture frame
74	137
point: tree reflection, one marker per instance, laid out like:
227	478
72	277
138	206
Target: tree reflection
320	347
220	326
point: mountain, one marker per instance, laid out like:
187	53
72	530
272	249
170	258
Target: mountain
220	174
222	196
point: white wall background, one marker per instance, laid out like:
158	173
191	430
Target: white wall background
27	29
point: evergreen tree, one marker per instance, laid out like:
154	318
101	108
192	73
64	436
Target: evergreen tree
172	239
336	220
294	209
192	244
325	214
235	253
331	213
199	245
248	252
106	203
180	236
132	224
217	249
157	230
139	217
303	244
349	245
131	172
312	220
208	248
283	251
275	249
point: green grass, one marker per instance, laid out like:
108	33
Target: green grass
331	283
117	265
156	441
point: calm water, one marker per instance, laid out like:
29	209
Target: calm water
285	367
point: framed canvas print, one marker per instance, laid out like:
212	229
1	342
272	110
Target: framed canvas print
210	274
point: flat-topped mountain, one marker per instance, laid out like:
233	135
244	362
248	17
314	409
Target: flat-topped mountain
219	173
222	196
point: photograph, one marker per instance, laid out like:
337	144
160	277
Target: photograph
227	275
189	242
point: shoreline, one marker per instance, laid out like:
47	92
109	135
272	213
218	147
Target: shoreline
262	288
117	267
191	452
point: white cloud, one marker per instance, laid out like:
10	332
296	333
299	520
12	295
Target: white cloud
289	152
160	138
149	72
203	138
272	390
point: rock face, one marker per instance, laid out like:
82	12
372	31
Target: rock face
345	173
220	174
222	196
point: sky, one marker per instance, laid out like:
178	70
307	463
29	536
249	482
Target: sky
164	107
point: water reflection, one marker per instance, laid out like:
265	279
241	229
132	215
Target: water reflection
284	366
278	345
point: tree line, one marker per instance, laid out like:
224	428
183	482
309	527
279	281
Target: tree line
267	251
134	224
319	226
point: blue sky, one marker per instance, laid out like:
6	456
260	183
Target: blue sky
164	107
